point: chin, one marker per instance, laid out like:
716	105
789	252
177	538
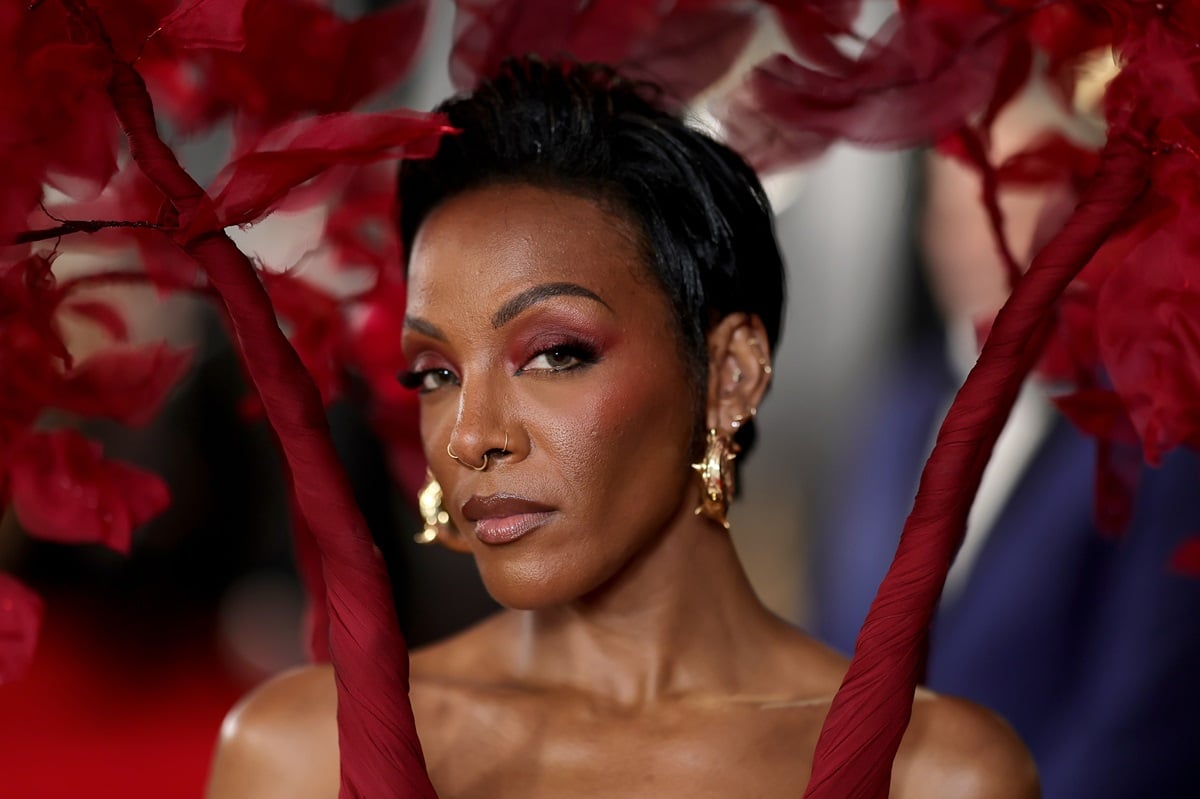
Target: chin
536	585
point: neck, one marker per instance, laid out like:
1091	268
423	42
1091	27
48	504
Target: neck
681	619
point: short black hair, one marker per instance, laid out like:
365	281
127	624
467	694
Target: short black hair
704	220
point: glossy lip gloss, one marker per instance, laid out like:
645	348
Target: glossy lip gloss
503	518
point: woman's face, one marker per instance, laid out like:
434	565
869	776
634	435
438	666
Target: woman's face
537	337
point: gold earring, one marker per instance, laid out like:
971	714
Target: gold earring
762	360
716	474
433	512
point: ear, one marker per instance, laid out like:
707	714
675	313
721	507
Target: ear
739	371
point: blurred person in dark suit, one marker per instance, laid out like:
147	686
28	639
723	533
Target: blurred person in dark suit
1088	643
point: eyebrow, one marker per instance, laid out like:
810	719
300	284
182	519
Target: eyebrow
535	294
424	327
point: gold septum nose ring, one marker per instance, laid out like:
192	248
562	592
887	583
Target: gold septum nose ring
482	466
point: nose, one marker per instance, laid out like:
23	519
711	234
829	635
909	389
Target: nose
479	438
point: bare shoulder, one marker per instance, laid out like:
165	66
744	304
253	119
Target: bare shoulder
955	749
280	740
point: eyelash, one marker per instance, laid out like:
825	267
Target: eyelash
415	379
583	354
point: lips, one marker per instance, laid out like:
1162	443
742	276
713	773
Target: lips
501	518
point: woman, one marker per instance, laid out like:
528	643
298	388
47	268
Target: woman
594	295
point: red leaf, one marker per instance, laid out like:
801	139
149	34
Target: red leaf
299	151
1098	413
381	49
917	80
28	301
1148	318
72	118
332	64
56	124
683	46
813	26
487	31
103	314
20	621
19	195
207	23
127	23
1186	558
692	47
1064	31
31	380
64	490
130	196
125	384
360	228
1051	158
32	352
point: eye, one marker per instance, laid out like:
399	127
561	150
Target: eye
560	358
426	380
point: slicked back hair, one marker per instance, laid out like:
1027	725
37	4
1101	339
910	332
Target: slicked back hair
704	222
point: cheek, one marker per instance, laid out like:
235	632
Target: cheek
622	442
430	428
436	423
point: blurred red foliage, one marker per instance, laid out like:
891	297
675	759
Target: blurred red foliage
207	62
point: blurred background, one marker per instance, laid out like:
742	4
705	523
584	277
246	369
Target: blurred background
890	262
